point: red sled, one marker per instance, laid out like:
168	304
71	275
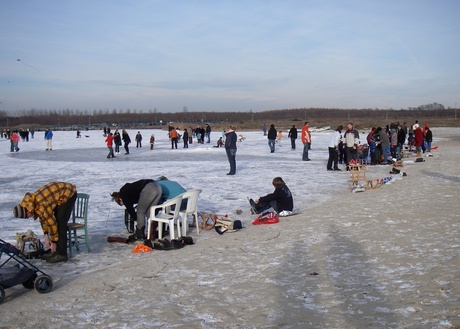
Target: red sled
266	218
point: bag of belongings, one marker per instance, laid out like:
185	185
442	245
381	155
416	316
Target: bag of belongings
224	224
29	244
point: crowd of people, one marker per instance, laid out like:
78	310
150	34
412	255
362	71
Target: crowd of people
201	134
24	134
52	203
389	142
382	145
17	135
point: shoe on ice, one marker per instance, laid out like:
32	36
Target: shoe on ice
253	206
140	233
57	258
47	255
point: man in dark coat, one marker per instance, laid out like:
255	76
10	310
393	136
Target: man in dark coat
293	136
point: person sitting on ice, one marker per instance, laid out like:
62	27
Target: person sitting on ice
280	200
220	142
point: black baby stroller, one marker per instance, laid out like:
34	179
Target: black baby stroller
21	272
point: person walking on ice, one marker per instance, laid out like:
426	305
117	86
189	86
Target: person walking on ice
48	139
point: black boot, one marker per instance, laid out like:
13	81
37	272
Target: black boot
140	233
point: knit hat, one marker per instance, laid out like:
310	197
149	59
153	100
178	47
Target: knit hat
20	212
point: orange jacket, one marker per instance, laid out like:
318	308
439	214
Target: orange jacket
306	136
173	133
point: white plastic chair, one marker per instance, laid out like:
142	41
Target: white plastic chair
168	213
192	201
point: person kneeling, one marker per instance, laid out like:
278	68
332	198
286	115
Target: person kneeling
280	200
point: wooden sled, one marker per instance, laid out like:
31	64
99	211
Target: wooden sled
398	163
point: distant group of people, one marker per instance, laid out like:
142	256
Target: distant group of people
17	135
201	134
22	133
382	144
275	136
116	139
344	145
388	142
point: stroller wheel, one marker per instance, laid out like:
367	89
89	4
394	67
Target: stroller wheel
43	284
30	283
2	295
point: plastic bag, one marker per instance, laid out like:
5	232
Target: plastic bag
140	248
266	218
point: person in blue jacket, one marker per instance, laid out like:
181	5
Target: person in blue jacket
170	189
49	139
230	148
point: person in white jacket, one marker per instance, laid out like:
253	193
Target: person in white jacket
334	149
351	140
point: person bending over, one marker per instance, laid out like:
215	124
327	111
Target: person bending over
52	204
145	193
169	190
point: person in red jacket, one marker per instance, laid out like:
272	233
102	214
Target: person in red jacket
14	141
418	137
109	141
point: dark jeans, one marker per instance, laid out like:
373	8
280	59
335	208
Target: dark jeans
62	214
352	154
127	148
174	143
306	147
293	143
231	155
333	158
271	144
262	206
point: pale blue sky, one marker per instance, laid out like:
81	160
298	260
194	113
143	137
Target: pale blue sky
228	55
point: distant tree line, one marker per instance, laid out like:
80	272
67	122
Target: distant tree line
128	118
